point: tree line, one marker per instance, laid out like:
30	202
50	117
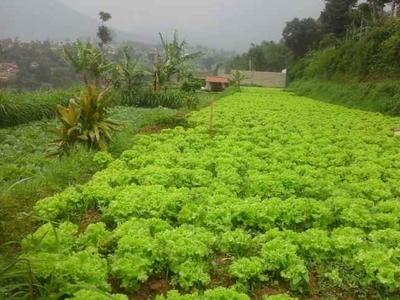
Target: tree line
340	21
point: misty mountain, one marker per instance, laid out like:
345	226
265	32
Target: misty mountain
42	20
228	24
48	20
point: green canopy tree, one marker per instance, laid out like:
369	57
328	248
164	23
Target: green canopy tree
337	16
300	36
267	56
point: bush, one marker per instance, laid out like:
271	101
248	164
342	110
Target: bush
192	84
84	121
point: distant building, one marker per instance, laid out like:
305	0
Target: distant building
216	83
8	70
34	65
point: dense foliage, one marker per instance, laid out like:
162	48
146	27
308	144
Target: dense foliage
371	56
288	189
48	69
367	63
267	56
342	24
300	36
337	15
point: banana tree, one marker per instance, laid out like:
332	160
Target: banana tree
238	77
171	61
128	73
88	61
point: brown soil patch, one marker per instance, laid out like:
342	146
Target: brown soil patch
116	285
269	291
178	119
219	272
152	129
151	288
90	217
313	285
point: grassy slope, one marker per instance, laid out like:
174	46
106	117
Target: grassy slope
26	175
381	97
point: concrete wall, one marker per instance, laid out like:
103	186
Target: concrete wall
267	79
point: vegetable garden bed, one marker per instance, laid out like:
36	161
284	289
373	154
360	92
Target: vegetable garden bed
290	196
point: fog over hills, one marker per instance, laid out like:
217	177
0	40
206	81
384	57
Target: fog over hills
229	24
43	19
48	20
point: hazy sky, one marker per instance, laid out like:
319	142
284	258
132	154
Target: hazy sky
231	24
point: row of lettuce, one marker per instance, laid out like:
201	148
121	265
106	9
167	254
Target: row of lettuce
287	189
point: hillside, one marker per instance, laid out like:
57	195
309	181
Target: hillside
361	72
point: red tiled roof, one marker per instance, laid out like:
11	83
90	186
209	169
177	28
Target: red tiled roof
217	79
7	64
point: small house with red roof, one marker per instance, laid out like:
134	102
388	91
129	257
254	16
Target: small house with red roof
8	70
216	83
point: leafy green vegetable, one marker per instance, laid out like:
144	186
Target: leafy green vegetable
288	189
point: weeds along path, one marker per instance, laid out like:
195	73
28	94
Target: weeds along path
290	195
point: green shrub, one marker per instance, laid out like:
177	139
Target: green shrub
84	121
192	84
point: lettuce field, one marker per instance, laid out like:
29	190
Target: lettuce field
288	198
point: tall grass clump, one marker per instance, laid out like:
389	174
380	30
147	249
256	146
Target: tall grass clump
147	98
16	109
